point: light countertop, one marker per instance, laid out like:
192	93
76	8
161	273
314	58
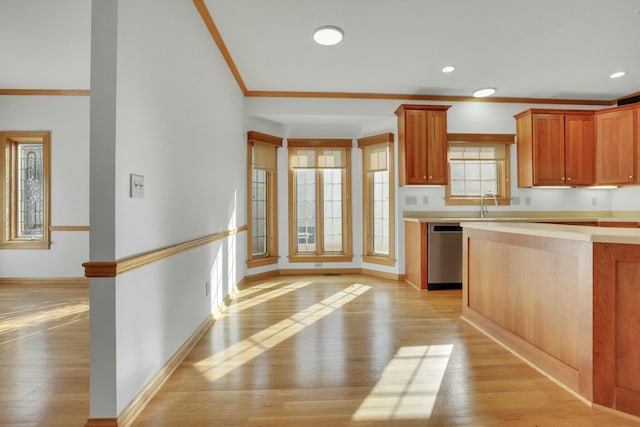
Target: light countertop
523	216
570	232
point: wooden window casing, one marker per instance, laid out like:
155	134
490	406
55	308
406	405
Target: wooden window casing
262	156
318	155
373	160
502	143
11	197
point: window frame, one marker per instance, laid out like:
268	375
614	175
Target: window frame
368	254
479	140
347	246
271	210
9	141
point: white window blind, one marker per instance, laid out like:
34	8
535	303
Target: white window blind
318	158
376	158
264	156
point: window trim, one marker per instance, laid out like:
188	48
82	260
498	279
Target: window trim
347	245
367	212
479	139
8	195
272	202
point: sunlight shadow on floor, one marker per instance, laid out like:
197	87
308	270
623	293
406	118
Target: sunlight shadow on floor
221	363
409	385
259	299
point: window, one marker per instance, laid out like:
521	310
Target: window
25	190
262	204
378	199
478	164
320	200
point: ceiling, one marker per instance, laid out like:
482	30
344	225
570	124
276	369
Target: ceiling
550	49
545	49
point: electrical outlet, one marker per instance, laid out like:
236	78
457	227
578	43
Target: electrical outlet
527	200
317	265
207	288
425	200
411	200
594	201
515	200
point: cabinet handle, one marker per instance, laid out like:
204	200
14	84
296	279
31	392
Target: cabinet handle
569	179
630	176
562	178
424	177
430	177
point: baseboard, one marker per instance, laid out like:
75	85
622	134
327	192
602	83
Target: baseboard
148	392
380	274
318	271
101	422
142	399
323	272
261	276
49	282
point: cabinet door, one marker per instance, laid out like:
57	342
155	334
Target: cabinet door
615	150
437	147
416	146
524	151
637	146
548	149
579	148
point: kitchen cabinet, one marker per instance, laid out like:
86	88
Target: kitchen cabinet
422	144
616	146
415	248
555	147
616	339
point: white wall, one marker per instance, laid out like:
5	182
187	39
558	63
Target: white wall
179	122
626	199
67	118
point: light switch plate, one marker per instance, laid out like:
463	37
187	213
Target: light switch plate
136	186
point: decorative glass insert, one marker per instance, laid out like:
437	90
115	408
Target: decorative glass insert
30	191
259	212
305	180
380	200
475	170
332	203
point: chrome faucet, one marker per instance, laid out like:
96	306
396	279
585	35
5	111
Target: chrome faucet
484	211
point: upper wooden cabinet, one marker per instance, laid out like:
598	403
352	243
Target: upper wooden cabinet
616	149
555	147
422	144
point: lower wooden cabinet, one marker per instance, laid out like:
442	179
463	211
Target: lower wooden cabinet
415	253
616	326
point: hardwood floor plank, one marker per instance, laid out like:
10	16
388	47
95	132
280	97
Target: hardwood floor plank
323	372
44	356
306	352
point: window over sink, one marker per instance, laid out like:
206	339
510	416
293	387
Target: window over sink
478	164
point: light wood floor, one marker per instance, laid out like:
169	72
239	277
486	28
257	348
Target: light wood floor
317	351
44	356
356	351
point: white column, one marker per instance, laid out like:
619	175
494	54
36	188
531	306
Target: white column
103	374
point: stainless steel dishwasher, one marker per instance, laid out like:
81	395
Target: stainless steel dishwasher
444	255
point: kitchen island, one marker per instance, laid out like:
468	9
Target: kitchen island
565	298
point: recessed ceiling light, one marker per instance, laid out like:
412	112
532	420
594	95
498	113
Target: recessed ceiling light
617	75
449	69
328	35
481	93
